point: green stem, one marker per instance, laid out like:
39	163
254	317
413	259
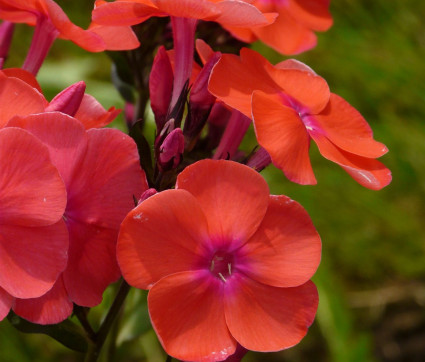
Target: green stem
95	348
81	315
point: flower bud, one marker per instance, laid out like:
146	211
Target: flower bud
69	100
161	86
171	150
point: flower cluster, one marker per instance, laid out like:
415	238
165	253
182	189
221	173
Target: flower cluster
227	265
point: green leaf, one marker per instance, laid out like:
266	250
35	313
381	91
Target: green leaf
66	332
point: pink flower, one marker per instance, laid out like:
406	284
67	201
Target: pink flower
101	172
291	105
20	94
33	235
224	262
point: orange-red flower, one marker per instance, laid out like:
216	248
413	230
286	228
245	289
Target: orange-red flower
20	94
293	30
225	263
226	12
101	171
97	38
290	105
33	235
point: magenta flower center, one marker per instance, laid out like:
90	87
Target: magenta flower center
221	265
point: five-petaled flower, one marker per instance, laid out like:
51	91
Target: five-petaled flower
290	105
101	171
33	235
224	262
293	30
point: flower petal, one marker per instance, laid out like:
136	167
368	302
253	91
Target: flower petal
264	318
285	250
123	12
32	192
368	172
92	114
233	79
18	98
281	132
313	14
84	38
101	192
305	91
186	311
6	301
92	262
63	135
240	14
116	37
286	35
165	234
234	197
51	308
345	127
22	74
31	258
195	9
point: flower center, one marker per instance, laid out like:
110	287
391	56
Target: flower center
221	265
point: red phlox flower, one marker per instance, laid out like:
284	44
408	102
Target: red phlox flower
20	94
224	262
293	30
96	39
33	235
226	12
290	105
101	172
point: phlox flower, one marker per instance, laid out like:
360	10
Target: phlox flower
293	30
226	12
20	94
184	16
224	262
51	22
101	172
290	105
33	235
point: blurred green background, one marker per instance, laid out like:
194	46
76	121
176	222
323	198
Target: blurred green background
372	277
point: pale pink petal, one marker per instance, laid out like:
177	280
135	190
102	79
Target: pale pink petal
267	319
285	250
187	313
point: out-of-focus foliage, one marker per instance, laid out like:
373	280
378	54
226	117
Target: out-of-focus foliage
372	277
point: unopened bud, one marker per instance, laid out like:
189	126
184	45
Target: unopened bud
171	150
161	86
145	195
69	100
6	34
